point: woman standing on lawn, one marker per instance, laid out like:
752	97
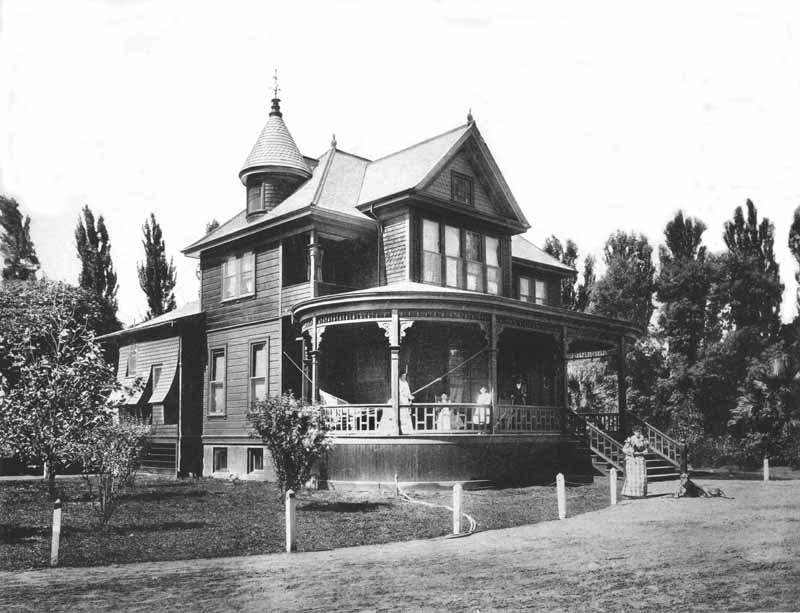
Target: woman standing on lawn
635	449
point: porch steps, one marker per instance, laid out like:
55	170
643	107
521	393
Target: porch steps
658	469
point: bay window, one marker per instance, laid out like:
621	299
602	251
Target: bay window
455	257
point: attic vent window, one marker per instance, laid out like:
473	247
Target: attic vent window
461	188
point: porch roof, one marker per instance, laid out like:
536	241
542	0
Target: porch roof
421	301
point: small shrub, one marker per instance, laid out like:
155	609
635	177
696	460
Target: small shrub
295	434
111	454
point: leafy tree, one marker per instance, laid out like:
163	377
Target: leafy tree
97	270
156	276
751	285
295	434
568	255
25	309
211	226
684	284
61	389
626	290
19	255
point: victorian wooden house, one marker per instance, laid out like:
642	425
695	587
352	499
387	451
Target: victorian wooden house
401	294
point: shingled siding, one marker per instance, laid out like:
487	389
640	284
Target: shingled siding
395	232
263	305
440	186
236	342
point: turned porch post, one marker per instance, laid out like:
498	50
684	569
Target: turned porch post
313	257
493	372
314	361
394	348
622	387
305	364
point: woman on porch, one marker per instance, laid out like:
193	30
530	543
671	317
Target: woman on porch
635	449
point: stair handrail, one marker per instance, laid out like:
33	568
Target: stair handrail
675	452
611	453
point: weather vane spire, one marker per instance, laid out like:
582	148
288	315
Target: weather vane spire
276	102
275	88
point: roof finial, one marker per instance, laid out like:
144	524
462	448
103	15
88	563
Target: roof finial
333	142
276	102
470	118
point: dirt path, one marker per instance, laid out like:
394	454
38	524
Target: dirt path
707	554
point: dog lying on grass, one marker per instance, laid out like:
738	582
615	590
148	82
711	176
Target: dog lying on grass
689	489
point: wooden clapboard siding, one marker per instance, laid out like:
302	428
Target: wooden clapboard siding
148	353
242	310
395	238
236	342
441	188
293	294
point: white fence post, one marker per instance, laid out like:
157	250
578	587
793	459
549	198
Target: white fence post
56	533
291	524
457	500
612	480
766	468
561	494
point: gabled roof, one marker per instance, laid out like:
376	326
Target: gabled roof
275	147
523	249
345	183
190	309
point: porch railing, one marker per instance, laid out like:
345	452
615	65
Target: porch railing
354	418
600	443
607	422
527	418
668	448
450	417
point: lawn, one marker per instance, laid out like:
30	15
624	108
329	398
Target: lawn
163	519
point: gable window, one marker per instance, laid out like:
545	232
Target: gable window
255	459
216	395
533	290
461	188
220	459
130	367
258	372
454	257
238	276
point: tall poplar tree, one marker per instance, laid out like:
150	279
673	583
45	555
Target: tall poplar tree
566	254
583	295
751	286
97	270
794	247
684	283
626	290
156	276
19	255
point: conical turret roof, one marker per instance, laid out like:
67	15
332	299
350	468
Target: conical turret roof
275	149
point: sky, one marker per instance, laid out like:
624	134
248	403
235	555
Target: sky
601	115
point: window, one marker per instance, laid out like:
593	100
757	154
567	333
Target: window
295	260
533	290
431	253
258	372
238	276
492	265
255	459
220	459
130	367
216	396
461	188
460	258
472	252
155	374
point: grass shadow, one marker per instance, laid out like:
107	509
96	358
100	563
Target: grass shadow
152	496
11	534
344	507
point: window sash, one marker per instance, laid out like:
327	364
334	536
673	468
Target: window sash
431	267
462	189
541	292
525	293
216	395
258	372
220	459
255	459
493	280
155	373
239	276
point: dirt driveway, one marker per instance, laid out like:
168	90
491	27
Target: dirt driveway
698	554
